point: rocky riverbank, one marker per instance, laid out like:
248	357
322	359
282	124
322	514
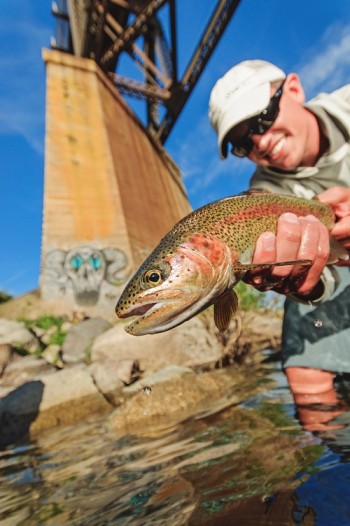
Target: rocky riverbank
60	370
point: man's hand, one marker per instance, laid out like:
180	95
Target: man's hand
297	238
339	198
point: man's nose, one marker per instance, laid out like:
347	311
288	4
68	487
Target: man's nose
260	141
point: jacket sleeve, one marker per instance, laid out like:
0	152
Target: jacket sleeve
329	280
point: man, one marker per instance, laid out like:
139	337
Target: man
259	112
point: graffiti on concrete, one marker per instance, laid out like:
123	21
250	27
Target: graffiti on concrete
85	270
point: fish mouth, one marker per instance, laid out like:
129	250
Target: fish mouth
146	306
144	321
138	311
169	309
142	315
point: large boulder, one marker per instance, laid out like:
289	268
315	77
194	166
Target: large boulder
191	344
17	335
112	375
5	356
80	338
23	369
162	399
66	397
18	409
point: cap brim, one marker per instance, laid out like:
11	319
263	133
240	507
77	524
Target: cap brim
250	104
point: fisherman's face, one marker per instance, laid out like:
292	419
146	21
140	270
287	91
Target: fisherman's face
286	144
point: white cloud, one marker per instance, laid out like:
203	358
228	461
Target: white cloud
327	66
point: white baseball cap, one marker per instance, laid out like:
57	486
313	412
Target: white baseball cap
244	91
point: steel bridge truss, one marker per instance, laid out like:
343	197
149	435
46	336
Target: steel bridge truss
145	30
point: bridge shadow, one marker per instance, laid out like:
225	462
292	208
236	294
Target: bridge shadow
18	410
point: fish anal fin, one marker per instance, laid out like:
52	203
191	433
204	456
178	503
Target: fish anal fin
225	309
252	266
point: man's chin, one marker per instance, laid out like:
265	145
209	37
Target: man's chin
285	164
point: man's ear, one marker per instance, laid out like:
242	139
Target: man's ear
293	88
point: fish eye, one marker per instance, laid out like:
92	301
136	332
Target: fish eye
153	277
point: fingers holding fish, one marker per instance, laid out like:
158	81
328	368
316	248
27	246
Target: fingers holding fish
297	238
270	248
289	239
265	248
314	246
341	232
339	198
265	252
301	238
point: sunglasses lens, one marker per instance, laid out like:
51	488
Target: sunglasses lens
261	126
242	148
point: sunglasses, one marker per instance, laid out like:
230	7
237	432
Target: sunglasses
258	125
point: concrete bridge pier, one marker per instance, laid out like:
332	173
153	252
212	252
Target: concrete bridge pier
111	191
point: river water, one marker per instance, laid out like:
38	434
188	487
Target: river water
249	463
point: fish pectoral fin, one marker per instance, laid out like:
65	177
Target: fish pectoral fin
225	309
337	252
252	266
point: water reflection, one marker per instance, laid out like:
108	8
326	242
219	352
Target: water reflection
251	463
328	489
330	422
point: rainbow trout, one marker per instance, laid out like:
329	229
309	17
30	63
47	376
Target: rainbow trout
198	262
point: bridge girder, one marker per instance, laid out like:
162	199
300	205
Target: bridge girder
103	30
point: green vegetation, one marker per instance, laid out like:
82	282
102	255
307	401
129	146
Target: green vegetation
44	322
278	416
47	322
4	296
49	510
250	298
19	349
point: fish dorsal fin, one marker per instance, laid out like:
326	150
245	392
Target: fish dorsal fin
225	309
337	251
253	191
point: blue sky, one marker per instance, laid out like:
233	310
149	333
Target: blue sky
310	37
